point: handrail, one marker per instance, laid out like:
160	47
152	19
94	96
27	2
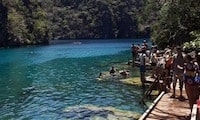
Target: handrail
194	112
152	106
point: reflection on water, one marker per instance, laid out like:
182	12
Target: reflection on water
40	82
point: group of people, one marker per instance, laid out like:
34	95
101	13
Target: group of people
124	72
185	67
172	64
136	49
141	52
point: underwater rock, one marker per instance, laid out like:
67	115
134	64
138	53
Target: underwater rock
92	112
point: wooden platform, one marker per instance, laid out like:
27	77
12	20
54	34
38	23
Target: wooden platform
168	108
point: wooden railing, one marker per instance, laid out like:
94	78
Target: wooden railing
195	115
194	112
148	111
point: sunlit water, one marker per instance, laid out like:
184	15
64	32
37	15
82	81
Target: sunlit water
39	82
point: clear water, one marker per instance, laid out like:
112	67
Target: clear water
39	82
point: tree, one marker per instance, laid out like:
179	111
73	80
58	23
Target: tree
173	21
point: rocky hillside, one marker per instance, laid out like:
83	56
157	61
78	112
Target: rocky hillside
38	21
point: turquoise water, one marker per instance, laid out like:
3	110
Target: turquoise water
38	82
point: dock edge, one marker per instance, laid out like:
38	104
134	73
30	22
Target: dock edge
147	112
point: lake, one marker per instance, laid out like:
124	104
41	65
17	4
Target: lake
40	82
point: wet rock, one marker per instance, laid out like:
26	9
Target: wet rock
69	115
86	113
103	113
97	118
98	113
112	117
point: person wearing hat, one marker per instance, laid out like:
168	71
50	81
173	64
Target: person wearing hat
178	69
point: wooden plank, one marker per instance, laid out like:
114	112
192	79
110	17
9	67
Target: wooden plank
146	113
171	108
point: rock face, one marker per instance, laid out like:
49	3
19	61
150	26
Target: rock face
98	19
25	22
3	24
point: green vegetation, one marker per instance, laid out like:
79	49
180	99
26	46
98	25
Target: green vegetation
24	22
38	21
194	44
173	21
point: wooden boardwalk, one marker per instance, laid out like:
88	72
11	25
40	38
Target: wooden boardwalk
168	108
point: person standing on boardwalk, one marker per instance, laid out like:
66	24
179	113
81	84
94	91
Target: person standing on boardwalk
139	50
153	62
192	87
142	66
178	69
154	48
168	64
145	44
134	53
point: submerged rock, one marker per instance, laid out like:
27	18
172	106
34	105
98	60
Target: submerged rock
92	112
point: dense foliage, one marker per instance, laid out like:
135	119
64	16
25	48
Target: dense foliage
172	21
194	44
25	22
38	21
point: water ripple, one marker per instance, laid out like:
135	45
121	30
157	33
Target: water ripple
38	82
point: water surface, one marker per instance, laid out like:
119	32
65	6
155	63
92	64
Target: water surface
39	82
